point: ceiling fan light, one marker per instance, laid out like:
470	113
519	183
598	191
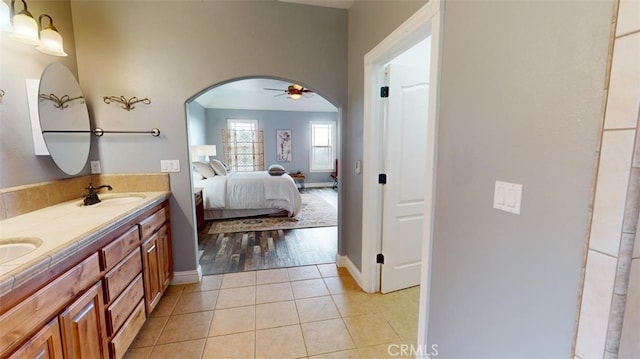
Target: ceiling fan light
295	96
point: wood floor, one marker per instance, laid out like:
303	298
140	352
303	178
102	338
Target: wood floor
245	251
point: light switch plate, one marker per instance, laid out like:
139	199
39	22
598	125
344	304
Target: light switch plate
170	165
507	197
95	167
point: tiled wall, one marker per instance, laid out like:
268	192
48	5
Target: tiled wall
15	201
609	317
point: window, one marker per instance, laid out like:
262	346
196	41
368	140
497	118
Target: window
243	145
323	146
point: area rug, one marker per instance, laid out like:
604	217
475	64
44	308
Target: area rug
315	212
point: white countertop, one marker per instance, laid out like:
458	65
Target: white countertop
64	229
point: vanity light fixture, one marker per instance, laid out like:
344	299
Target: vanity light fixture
5	18
59	102
25	28
126	104
50	38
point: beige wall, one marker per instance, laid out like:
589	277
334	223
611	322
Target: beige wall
18	162
169	51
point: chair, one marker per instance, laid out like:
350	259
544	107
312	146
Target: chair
334	176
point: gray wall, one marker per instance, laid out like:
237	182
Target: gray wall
18	162
269	122
170	51
521	101
369	23
196	118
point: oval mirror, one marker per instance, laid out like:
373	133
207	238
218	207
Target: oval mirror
64	118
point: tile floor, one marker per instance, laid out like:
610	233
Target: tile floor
301	312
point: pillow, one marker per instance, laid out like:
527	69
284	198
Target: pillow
204	169
218	167
196	175
276	170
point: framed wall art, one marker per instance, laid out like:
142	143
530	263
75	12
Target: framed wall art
283	144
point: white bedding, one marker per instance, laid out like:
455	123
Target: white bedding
250	190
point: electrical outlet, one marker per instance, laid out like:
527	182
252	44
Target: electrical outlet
170	165
95	167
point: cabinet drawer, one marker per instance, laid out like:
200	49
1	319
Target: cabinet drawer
34	311
118	312
119	277
149	225
119	344
112	253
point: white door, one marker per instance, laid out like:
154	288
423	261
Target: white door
404	162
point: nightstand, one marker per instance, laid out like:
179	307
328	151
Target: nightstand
199	207
298	178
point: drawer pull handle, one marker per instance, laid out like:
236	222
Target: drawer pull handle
151	248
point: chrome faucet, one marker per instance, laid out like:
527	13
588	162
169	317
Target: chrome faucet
92	196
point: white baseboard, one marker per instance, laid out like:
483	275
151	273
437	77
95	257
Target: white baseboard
344	261
318	185
186	277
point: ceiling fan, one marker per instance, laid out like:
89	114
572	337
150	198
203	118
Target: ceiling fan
294	91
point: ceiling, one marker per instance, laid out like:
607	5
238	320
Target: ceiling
250	94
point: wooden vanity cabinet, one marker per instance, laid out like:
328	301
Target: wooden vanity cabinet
83	327
45	344
95	308
156	257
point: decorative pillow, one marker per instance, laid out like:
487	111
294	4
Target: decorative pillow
204	169
276	170
218	167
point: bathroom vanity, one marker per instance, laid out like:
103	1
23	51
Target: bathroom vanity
88	288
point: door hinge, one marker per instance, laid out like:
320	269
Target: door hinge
380	258
382	178
384	91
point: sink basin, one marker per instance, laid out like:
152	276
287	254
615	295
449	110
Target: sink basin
115	199
12	248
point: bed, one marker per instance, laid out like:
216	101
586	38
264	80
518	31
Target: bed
245	194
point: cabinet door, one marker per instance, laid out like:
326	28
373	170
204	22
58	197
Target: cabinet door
84	332
151	271
45	344
166	256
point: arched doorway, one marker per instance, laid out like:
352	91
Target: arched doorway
233	241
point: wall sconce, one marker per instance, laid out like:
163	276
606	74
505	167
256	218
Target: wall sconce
126	104
5	17
1	94
50	39
25	28
59	102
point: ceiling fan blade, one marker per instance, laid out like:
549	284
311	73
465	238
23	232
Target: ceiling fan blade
278	95
270	89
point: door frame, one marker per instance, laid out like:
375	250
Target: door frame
426	21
